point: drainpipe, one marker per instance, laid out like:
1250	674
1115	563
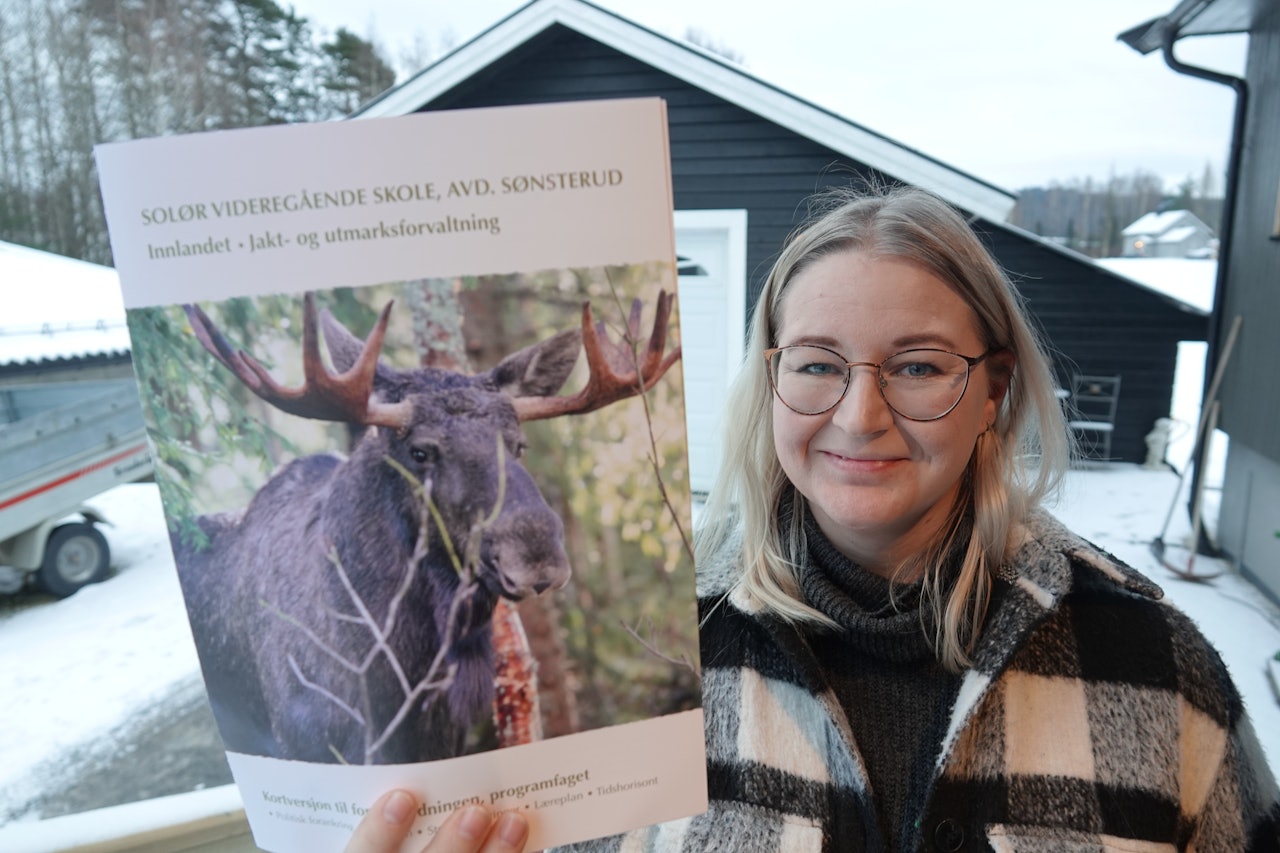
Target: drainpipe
1225	234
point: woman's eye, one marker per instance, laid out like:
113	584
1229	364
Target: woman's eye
818	368
917	370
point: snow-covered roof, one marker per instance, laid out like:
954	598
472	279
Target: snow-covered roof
1189	280
1177	235
1158	223
706	71
55	307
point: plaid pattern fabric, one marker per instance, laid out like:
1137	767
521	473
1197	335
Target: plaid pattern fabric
1094	718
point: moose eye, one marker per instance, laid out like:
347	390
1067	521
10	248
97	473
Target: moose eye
424	453
521	447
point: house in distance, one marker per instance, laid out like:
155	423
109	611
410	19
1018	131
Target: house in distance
1168	234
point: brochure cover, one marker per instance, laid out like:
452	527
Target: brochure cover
413	390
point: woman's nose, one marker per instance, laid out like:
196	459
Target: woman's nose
863	409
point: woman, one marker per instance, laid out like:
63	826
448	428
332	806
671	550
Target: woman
900	650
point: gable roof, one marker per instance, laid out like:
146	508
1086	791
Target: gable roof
58	308
707	72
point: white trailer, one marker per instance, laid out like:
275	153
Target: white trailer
70	423
68	443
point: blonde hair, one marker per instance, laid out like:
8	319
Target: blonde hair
1016	463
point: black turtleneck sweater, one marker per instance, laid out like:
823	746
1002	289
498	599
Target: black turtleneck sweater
883	670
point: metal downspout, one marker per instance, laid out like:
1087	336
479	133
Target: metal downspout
1225	233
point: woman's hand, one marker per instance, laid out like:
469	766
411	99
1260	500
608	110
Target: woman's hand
471	829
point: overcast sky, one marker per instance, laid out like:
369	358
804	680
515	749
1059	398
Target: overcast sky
1017	92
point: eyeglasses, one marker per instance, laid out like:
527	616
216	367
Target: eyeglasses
919	384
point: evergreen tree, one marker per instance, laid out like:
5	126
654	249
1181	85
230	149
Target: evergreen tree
356	71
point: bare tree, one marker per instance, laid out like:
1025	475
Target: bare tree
1089	215
75	73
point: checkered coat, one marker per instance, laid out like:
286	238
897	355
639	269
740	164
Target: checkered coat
1094	718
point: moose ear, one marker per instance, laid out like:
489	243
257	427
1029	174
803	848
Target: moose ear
539	370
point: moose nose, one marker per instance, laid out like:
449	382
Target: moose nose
541	586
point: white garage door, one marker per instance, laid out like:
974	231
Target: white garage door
711	245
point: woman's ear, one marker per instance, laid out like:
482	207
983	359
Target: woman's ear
1000	365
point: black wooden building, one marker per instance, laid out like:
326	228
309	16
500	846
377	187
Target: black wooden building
746	156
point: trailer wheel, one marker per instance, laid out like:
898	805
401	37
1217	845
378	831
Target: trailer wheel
76	555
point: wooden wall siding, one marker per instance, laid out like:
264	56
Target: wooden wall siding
725	157
1096	323
1251	393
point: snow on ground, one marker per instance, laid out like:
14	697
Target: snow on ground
73	670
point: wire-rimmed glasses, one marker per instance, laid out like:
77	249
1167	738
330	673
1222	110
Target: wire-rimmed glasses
919	384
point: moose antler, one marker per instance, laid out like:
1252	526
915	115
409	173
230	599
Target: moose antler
616	371
323	395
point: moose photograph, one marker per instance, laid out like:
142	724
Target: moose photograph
429	518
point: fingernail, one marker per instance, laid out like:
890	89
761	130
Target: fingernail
512	829
474	822
397	808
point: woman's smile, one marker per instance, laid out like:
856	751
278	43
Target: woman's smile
858	463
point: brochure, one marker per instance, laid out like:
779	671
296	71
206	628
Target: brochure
414	395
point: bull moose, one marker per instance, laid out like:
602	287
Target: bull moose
344	615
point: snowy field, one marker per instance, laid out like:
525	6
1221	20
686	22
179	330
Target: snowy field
73	670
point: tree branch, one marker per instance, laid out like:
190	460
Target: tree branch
654	457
